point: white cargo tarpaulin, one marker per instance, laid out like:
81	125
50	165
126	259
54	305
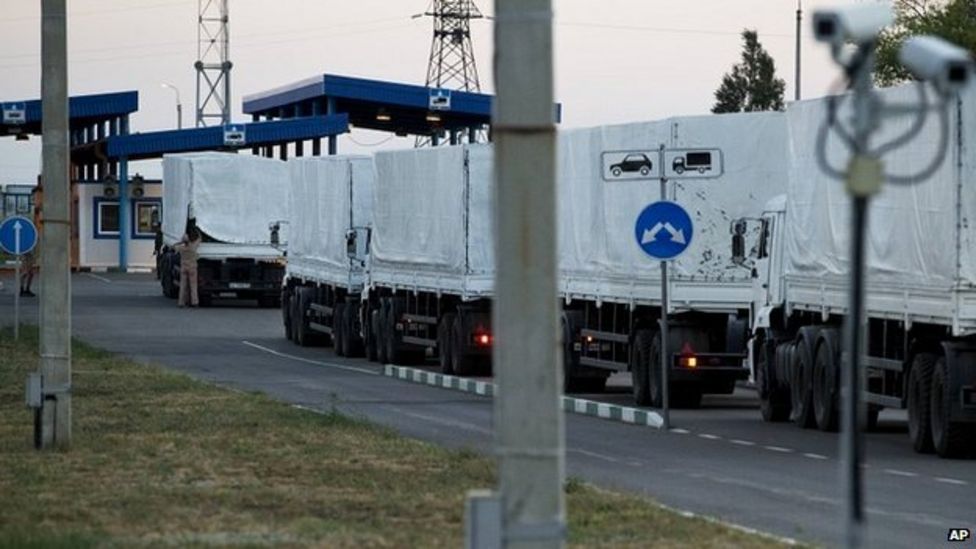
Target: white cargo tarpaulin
599	256
329	197
433	226
234	198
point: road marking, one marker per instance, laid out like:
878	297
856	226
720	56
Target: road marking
945	480
709	437
309	361
779	449
741	442
815	456
681	431
594	455
443	421
96	277
898	473
635	463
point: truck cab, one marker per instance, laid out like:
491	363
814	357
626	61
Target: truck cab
767	279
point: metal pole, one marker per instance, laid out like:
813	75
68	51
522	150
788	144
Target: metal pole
179	116
665	363
19	285
55	306
799	20
527	355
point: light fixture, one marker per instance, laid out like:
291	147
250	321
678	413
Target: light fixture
383	116
433	117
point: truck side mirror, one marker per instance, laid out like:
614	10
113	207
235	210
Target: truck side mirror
739	242
351	244
275	234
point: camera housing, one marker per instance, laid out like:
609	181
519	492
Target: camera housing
860	23
943	64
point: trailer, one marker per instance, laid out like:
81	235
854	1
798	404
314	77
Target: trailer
431	261
612	291
920	300
331	216
232	199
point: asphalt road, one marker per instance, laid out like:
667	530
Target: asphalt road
721	460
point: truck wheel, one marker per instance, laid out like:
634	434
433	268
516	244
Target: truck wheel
825	377
392	316
461	363
354	341
286	315
951	439
296	318
919	402
444	336
801	391
305	336
577	379
338	328
774	400
378	317
640	368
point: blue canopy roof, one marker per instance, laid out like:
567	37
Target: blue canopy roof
83	110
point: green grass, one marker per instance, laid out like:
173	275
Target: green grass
159	459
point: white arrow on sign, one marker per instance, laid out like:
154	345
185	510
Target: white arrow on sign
650	235
17	227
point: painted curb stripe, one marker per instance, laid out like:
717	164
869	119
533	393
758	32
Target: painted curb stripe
613	412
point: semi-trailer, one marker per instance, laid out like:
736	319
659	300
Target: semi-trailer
920	299
232	199
329	240
612	291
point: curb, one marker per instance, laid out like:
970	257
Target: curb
582	406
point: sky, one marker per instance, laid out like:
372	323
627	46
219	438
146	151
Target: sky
615	60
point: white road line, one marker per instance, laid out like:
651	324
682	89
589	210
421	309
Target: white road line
594	455
96	277
444	421
898	473
815	456
309	361
741	442
709	437
680	431
945	480
779	449
635	463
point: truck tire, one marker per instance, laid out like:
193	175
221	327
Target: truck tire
577	378
354	341
338	328
296	318
826	377
640	367
462	363
774	399
305	336
378	318
393	312
286	315
918	393
444	337
951	439
801	389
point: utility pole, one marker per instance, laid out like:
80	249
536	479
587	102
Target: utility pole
799	21
53	424
452	64
528	357
213	63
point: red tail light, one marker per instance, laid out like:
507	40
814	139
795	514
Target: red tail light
688	358
483	340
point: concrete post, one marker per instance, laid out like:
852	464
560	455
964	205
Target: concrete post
527	354
55	275
124	214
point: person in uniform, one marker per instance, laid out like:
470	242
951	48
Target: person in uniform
187	248
28	265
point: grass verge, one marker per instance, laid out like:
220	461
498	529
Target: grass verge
162	460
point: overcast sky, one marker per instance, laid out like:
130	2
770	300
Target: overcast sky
616	60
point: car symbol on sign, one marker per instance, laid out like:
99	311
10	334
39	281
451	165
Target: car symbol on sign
632	163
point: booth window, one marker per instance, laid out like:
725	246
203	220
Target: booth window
106	218
148	212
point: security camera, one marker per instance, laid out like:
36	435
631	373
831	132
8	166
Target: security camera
860	23
942	63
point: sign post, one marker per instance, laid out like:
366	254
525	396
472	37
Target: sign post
18	236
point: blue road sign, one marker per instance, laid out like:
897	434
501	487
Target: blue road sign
664	230
18	235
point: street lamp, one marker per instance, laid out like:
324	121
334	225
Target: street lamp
179	105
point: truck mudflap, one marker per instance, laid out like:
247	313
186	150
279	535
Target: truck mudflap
709	367
961	370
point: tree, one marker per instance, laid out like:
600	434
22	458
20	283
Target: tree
953	20
752	84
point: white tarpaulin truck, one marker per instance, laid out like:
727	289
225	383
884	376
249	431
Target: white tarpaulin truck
612	290
331	216
921	284
232	199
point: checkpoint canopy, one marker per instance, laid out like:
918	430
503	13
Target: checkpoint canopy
84	112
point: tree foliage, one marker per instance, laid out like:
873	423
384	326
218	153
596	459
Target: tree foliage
751	85
953	20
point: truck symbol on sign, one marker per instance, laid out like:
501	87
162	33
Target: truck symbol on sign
701	161
632	163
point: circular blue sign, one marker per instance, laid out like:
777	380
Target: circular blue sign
664	230
18	235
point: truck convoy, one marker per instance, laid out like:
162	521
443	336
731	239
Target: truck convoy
612	291
921	285
232	199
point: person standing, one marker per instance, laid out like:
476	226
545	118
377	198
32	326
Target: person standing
187	248
29	260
